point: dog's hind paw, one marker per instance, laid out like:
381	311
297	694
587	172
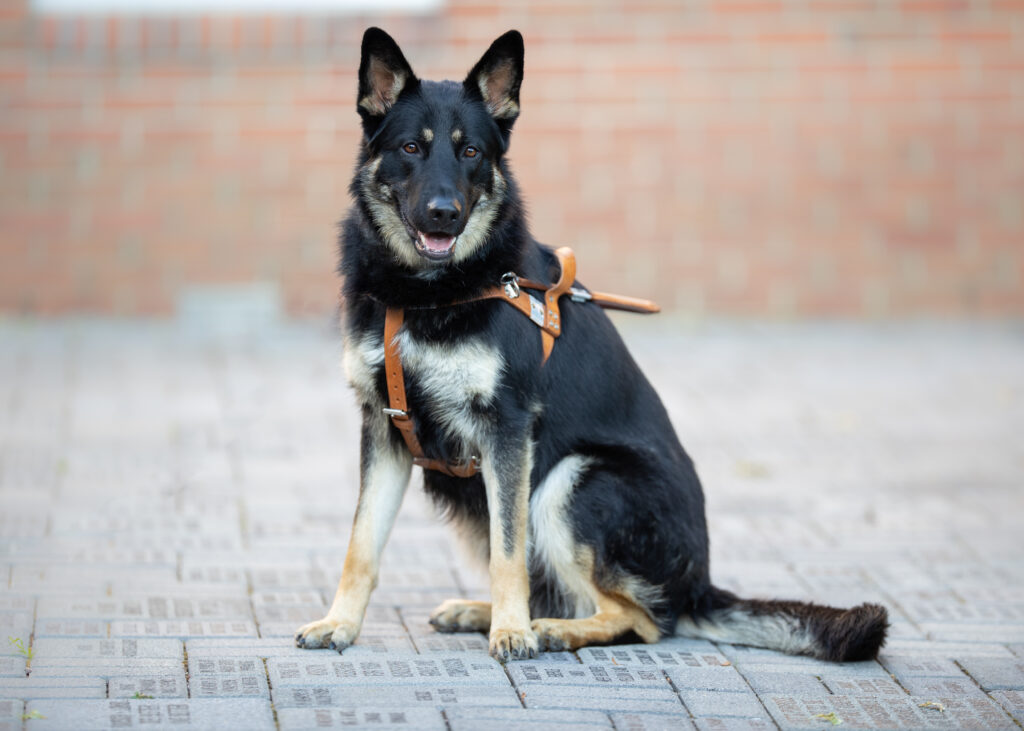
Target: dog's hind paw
326	633
461	615
513	644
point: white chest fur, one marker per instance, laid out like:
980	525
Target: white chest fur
452	377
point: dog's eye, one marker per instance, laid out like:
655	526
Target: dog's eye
470	151
411	147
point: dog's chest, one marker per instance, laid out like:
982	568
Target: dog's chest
452	381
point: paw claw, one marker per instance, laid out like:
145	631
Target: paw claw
326	633
507	644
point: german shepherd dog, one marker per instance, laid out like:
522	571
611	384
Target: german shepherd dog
586	509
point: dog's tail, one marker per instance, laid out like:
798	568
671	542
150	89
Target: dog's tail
798	628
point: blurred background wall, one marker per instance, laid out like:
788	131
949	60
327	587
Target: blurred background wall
777	158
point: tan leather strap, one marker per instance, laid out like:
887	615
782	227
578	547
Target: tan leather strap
398	407
545	313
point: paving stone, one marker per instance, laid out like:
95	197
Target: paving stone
625	721
604	698
12	667
420	719
10	602
790	683
942	687
947	649
974	632
401	696
468	642
43	687
207	714
993	674
87	650
60	667
71	628
513	719
392	669
168	685
15	624
1012	701
182	630
707	678
526	673
735	724
721	703
10	714
905	667
146	607
651	655
881	687
869	712
223	677
240	647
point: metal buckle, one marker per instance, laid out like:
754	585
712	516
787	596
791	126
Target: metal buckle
395	413
580	295
511	282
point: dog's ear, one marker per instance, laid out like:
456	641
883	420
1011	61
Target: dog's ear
383	75
496	78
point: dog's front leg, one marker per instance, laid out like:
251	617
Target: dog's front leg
506	474
384	475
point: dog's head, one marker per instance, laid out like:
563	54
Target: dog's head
431	179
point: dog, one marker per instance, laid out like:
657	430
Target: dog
578	494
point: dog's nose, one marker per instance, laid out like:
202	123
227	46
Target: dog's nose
443	211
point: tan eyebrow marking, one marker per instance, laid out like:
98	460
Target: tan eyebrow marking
428	134
456	135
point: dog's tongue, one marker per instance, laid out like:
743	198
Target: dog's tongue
437	243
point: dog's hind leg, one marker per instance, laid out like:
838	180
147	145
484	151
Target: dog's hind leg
462	615
618	613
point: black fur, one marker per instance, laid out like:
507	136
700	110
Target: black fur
639	506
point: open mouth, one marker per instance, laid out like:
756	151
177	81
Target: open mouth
435	246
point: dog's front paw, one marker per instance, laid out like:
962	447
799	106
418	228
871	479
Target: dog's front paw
328	633
553	634
513	644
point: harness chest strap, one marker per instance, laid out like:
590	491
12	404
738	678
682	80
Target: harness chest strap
545	314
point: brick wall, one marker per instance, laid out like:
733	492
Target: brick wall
740	157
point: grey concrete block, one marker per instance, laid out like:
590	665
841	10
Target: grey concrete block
243	647
995	674
182	630
227	677
721	703
168	685
12	667
235	608
537	695
525	673
468	642
40	687
707	678
942	687
60	667
651	656
15	624
401	696
88	649
879	687
391	669
205	714
1012	701
639	721
512	719
386	719
905	667
735	724
71	628
948	649
885	713
10	714
794	683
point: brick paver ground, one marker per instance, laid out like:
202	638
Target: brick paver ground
173	505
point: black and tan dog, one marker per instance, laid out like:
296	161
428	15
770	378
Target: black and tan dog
585	505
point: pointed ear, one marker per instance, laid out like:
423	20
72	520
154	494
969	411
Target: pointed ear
383	75
497	77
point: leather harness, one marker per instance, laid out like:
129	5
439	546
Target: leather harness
543	313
